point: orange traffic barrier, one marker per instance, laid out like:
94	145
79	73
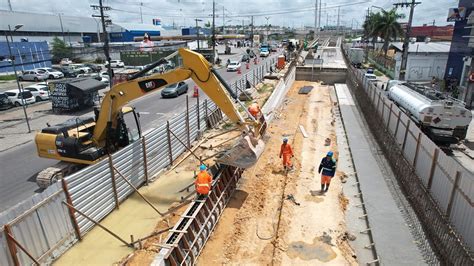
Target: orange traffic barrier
238	71
247	66
196	91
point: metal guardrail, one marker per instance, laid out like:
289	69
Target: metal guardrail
439	188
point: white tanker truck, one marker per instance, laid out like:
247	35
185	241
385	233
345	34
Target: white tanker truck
444	119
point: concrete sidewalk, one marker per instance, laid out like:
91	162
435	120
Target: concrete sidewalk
394	241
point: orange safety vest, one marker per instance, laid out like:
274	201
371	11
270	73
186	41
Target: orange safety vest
254	109
203	183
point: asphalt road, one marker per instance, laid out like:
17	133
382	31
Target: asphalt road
19	166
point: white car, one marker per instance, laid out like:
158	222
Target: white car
65	62
264	53
18	98
40	91
370	77
33	75
233	66
116	63
81	69
52	73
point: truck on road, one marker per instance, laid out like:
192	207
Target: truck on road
356	56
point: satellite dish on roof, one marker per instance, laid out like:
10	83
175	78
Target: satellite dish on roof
427	39
413	40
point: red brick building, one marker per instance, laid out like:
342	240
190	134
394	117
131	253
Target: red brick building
436	33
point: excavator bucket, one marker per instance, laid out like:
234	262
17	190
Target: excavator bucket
244	154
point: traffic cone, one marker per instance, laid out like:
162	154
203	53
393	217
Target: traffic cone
196	91
238	71
247	66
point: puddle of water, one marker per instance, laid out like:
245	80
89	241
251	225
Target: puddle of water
318	250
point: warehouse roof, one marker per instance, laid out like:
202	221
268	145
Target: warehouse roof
135	27
423	47
47	22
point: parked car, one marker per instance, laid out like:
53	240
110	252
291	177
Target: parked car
33	75
233	66
81	69
40	91
94	67
68	72
65	62
52	73
18	98
5	102
264	53
174	90
370	76
116	63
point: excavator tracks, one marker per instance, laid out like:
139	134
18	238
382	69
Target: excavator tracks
55	173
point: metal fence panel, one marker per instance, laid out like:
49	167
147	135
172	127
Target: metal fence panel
464	220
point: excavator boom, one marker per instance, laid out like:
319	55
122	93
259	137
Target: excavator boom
196	67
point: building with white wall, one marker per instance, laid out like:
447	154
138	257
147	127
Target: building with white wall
425	60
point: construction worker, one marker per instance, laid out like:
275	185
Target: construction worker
254	109
327	169
203	181
287	153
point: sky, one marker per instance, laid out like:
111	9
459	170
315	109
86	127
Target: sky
292	13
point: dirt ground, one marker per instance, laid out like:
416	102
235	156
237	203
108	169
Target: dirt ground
275	218
206	149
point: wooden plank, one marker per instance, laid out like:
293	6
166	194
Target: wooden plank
303	131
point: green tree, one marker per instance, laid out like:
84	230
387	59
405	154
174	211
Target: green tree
388	28
60	50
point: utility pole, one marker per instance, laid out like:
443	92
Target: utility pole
315	18
223	20
10	6
251	31
20	88
141	14
319	16
214	31
62	29
197	32
102	16
267	18
406	41
367	17
338	16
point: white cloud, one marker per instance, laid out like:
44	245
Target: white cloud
184	11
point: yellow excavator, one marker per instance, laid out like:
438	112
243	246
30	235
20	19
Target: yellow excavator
79	141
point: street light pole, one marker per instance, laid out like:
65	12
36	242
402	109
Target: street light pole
267	18
20	88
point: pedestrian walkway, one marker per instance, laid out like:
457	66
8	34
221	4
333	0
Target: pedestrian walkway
394	242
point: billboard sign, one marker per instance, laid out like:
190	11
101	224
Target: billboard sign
456	14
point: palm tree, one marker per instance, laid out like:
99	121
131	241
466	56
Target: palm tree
370	26
387	27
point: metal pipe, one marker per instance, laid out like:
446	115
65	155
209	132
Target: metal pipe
10	236
197	157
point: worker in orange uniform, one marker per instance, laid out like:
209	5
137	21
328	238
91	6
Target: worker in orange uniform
203	181
287	153
254	110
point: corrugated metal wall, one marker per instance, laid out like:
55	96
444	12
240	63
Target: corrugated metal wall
445	168
43	225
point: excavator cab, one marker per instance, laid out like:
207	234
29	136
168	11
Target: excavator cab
126	130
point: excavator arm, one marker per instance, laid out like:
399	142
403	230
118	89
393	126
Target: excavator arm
243	155
195	66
